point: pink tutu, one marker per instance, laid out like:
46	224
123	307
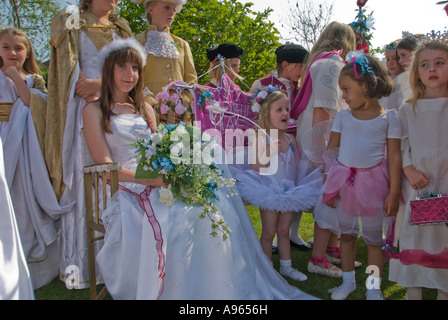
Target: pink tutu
362	191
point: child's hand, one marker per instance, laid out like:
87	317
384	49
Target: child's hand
332	202
417	179
12	73
156	183
391	205
88	88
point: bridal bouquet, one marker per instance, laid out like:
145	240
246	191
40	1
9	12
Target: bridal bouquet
185	157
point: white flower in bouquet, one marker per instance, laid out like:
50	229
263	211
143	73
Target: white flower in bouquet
166	196
193	182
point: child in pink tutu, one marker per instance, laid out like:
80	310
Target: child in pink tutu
362	184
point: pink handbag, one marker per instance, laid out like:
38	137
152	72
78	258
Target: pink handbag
429	209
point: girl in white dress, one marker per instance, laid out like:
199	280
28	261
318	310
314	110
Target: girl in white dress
14	273
275	182
362	183
423	259
165	252
22	104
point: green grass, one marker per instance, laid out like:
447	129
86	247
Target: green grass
316	285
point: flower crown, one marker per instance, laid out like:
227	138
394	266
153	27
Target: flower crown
358	57
260	97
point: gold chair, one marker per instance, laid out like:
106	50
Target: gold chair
92	186
95	193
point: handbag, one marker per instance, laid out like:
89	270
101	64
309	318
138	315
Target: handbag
429	209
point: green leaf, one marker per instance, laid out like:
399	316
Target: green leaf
140	173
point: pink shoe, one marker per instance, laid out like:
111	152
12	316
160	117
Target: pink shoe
313	267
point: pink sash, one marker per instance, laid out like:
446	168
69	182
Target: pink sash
304	94
145	204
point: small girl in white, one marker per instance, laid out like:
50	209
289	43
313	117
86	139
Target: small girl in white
274	183
362	183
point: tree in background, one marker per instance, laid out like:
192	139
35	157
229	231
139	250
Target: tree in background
33	18
306	20
208	23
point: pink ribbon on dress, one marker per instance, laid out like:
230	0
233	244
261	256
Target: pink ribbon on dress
351	179
145	204
423	258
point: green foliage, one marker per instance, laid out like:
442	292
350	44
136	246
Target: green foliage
208	23
33	18
134	14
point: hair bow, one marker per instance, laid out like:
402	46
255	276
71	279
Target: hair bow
358	57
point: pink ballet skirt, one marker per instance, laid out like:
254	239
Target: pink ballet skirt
362	191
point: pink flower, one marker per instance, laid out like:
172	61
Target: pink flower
164	109
180	109
164	95
174	98
361	3
446	9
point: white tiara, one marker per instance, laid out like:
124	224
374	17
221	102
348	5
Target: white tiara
433	35
118	44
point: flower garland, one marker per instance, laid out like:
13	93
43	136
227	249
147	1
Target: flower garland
170	99
184	156
260	96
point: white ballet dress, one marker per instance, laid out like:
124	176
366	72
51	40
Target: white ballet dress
284	186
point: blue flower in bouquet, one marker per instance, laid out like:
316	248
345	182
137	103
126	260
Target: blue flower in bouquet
173	151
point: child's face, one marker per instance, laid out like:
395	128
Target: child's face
433	71
126	76
162	13
404	57
353	92
235	65
279	114
293	70
105	5
392	62
13	51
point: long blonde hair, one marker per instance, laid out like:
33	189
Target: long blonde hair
417	86
335	36
215	72
30	64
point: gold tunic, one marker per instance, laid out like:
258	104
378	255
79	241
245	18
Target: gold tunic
64	58
160	71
